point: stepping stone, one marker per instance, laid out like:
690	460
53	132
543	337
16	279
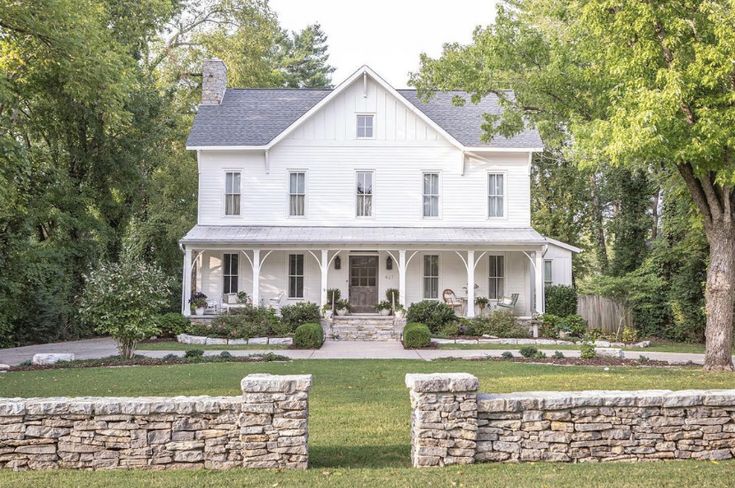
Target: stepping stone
51	358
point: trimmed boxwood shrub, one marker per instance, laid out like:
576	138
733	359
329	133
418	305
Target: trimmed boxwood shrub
308	336
435	315
299	313
561	300
416	335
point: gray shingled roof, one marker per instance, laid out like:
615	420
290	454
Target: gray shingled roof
285	235
253	117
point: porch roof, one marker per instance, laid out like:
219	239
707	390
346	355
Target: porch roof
378	236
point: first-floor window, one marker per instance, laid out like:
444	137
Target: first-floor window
431	277
496	288
230	273
548	279
296	276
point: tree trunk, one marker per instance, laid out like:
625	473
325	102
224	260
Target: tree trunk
599	226
720	296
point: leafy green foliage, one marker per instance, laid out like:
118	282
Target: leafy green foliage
572	325
498	323
194	353
416	335
528	352
507	355
245	322
300	313
432	313
560	300
123	300
558	355
630	334
308	336
171	324
587	351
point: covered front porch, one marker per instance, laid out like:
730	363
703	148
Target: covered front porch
280	272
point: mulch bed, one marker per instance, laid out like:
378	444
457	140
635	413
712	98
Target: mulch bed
113	361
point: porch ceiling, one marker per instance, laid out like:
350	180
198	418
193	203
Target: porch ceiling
360	236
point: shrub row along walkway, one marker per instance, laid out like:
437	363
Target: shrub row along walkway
103	347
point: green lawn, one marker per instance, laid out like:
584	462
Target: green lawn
359	422
177	346
655	347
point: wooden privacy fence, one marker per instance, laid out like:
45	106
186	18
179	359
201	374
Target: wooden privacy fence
604	313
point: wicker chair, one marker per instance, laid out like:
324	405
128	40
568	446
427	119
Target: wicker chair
451	299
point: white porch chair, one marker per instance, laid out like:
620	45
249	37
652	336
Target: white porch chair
450	298
508	303
213	306
277	301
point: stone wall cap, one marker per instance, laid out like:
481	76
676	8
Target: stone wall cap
438	382
269	383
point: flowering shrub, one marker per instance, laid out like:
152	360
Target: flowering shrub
123	300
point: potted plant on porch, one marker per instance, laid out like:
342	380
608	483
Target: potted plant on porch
384	308
342	307
198	302
481	303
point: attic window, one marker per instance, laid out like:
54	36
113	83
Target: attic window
365	126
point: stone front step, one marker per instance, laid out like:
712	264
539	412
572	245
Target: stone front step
364	328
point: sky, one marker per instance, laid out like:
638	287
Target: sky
387	35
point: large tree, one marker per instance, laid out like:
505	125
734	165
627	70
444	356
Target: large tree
637	84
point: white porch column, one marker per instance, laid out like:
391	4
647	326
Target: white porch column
256	277
402	277
186	283
539	279
324	265
470	283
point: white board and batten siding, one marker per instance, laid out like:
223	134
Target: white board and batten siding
326	148
561	264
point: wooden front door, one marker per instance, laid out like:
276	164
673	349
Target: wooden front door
363	283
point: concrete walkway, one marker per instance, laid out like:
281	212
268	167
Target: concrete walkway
103	347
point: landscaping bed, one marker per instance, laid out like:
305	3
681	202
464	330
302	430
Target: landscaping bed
169	360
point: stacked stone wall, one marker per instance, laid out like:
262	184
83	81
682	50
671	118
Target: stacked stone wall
265	427
587	426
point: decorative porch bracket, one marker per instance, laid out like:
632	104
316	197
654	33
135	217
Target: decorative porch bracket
402	267
470	264
537	263
256	263
324	263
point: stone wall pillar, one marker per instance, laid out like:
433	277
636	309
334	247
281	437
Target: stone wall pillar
274	421
443	418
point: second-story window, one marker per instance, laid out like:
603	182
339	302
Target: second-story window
296	193
431	194
495	195
232	193
365	126
364	193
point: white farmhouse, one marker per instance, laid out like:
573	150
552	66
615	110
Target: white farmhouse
362	188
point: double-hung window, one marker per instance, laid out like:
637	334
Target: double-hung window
364	193
232	193
496	285
495	195
431	194
548	279
297	193
431	277
296	276
365	126
230	273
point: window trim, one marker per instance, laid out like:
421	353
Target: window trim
225	275
503	277
289	276
438	195
424	276
357	117
551	272
504	174
226	171
372	195
289	194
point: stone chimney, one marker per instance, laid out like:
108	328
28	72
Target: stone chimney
214	81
